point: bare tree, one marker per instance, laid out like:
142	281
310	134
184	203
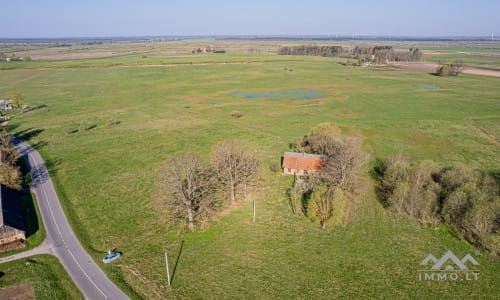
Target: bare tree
456	67
186	184
343	164
17	100
227	158
234	166
250	170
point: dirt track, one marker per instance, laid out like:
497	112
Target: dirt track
428	67
63	56
21	291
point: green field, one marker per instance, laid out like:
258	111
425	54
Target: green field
44	274
105	177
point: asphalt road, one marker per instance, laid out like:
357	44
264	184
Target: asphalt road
61	240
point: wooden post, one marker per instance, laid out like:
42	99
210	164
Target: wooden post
168	272
254	210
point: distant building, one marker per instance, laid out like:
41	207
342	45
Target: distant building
11	216
302	163
6	105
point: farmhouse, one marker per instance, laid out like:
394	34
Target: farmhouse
11	216
302	163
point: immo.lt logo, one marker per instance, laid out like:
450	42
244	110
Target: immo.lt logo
448	267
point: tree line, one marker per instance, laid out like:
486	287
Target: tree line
193	189
13	57
376	54
10	174
326	197
464	198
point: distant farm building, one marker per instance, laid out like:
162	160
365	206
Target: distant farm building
11	216
6	105
302	163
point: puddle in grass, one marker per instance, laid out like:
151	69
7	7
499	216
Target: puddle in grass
292	95
429	86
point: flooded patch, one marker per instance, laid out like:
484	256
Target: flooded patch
293	95
429	86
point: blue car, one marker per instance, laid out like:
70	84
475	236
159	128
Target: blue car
111	256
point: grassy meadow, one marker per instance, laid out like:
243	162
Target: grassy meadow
44	274
106	176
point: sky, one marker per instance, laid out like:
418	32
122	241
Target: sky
111	18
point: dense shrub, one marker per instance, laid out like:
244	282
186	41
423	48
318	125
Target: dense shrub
327	194
454	69
443	70
236	114
471	204
464	198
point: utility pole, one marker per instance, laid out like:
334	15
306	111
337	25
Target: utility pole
168	271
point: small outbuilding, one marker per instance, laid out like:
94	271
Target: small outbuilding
11	216
295	163
6	105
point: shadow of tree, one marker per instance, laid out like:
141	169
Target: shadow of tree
377	171
27	134
39	145
30	215
52	165
306	197
496	175
10	127
41	106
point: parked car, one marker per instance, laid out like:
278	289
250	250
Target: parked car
111	256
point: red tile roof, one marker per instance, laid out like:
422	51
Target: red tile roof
303	161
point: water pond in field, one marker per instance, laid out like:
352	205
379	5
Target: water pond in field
292	95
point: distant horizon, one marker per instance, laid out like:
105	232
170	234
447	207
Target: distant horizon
131	18
270	36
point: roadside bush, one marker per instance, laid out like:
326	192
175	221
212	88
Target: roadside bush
28	180
10	176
